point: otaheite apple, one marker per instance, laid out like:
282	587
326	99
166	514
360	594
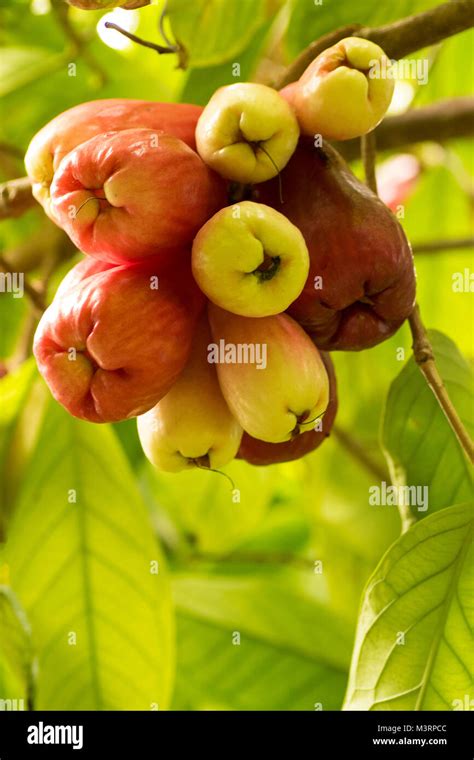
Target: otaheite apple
249	259
134	193
76	125
281	398
345	92
247	132
261	453
114	341
361	283
192	425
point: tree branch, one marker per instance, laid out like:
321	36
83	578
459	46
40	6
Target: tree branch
424	357
438	246
397	39
438	122
15	198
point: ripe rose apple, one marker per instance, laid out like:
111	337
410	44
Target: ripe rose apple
76	125
192	425
250	260
261	453
135	193
114	341
344	92
247	132
281	396
361	282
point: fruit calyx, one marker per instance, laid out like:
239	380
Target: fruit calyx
268	268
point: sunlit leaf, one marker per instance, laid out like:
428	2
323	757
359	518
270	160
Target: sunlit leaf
421	448
243	642
16	653
81	558
413	648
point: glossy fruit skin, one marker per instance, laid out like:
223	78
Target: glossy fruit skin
149	194
131	340
336	97
356	245
76	125
241	126
282	397
229	249
192	425
261	453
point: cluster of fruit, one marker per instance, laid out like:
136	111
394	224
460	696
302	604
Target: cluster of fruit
229	249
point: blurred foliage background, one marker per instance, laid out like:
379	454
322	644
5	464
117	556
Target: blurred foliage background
283	569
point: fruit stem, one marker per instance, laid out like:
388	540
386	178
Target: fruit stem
424	357
200	466
152	45
368	152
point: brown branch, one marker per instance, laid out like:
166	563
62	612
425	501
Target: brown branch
422	30
438	246
397	39
360	453
15	198
445	120
424	357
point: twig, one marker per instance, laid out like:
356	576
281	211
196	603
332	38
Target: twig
368	152
424	357
437	246
78	45
259	558
397	39
33	294
15	198
359	453
144	43
438	122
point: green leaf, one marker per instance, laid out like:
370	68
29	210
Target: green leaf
421	448
413	648
23	397
293	651
80	551
213	31
16	655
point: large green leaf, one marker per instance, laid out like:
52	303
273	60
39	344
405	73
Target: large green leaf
413	648
23	402
421	447
80	552
293	652
213	31
16	655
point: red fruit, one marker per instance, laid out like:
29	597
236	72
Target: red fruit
361	283
125	195
111	345
73	127
261	453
